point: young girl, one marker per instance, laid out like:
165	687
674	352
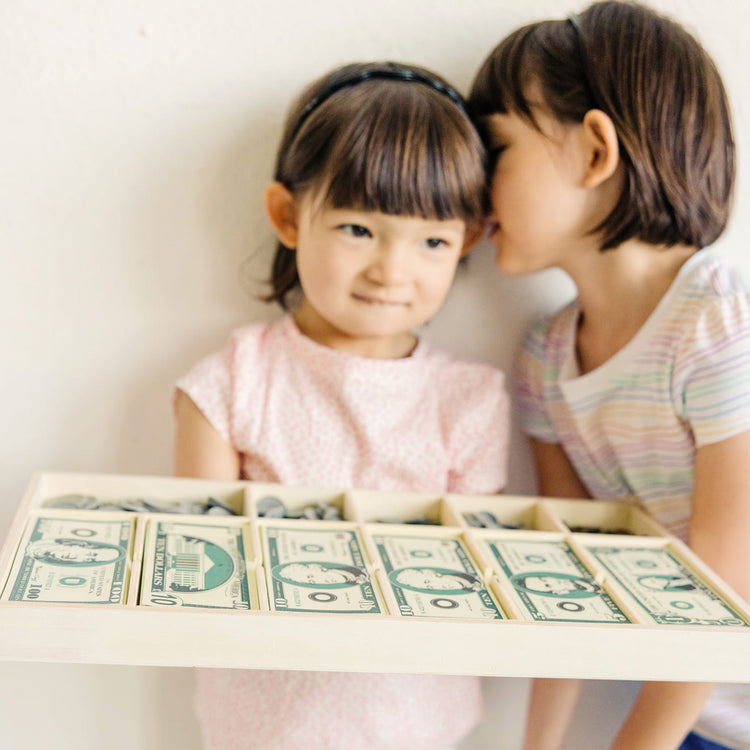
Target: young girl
378	193
615	162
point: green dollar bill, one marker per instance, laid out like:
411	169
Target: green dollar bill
196	565
434	577
551	582
73	560
664	588
317	570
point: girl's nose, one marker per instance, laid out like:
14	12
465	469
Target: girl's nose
389	266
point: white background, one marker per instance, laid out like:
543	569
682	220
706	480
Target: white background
136	138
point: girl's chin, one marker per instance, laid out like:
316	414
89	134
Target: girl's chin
509	266
514	262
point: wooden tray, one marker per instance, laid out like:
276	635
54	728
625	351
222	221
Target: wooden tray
521	644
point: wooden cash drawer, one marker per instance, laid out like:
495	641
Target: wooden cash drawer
557	588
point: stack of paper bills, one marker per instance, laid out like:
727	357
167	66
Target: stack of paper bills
667	591
317	570
550	581
72	559
196	565
434	577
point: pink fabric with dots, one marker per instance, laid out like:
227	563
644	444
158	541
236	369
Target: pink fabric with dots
301	413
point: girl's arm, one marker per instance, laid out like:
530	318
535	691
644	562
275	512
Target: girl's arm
555	475
719	529
551	707
199	450
552	702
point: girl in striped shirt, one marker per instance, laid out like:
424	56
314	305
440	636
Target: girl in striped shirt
614	160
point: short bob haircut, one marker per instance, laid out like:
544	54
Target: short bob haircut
664	95
400	147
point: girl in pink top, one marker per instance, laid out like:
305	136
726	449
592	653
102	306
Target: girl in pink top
378	193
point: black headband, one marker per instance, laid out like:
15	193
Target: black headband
389	71
574	22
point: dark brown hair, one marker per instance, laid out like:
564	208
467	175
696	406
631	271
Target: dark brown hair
402	146
664	95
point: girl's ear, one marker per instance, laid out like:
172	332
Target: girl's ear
281	209
602	147
473	235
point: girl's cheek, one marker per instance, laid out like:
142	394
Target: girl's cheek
495	196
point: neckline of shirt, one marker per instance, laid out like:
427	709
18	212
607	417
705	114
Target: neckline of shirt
304	344
570	374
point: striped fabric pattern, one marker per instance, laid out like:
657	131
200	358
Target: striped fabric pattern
631	427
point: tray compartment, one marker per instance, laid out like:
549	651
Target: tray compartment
318	568
161	494
199	562
409	509
603	518
511	512
430	572
265	499
664	585
547	580
75	559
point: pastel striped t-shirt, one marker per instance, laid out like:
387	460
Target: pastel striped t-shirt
631	427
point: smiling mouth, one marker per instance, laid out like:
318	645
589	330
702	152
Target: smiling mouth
376	301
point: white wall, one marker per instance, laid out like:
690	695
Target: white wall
136	138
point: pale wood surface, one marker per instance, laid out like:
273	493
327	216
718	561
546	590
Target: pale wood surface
135	635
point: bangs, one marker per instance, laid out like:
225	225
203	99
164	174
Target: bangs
543	53
504	78
409	151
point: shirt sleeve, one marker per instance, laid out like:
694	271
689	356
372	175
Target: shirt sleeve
529	384
711	389
480	434
209	386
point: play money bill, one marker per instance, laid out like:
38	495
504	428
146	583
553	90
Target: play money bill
665	588
72	560
317	570
551	582
434	577
195	565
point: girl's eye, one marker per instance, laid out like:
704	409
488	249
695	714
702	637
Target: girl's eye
355	230
435	242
